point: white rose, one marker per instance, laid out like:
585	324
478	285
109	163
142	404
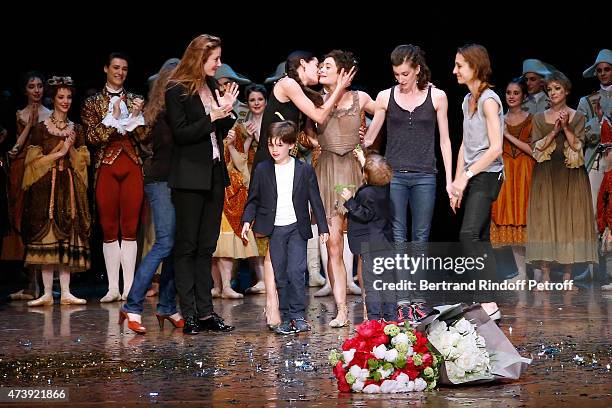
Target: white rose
389	387
358	386
463	327
402	387
402	378
410	386
360	374
466	362
400	338
419	384
391	355
348	356
372	389
379	352
455	374
436	328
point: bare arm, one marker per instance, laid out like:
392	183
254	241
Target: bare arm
367	103
380	111
445	143
460	161
292	90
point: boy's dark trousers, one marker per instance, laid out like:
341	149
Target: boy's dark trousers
288	254
380	304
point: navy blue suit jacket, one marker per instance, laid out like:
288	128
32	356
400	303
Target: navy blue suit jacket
260	208
369	217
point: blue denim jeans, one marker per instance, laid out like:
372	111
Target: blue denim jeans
158	194
418	190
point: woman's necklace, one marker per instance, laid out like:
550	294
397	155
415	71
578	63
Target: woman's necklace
56	122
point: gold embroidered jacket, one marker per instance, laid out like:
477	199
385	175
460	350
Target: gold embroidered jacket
107	141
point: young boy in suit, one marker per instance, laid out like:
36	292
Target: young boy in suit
369	223
277	206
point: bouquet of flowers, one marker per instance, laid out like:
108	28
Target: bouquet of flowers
472	347
464	351
385	358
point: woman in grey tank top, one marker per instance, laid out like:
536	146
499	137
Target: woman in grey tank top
480	166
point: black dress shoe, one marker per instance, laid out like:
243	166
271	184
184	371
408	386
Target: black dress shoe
191	326
214	323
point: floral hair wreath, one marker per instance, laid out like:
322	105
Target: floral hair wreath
60	80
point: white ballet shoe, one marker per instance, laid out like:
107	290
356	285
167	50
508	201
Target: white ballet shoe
70	299
44	300
111	296
326	290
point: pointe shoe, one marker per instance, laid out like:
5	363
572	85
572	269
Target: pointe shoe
20	295
341	319
70	299
326	290
353	289
111	296
231	294
215	292
315	279
258	288
44	300
607	287
179	324
132	324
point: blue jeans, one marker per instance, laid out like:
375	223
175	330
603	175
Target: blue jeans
418	190
158	194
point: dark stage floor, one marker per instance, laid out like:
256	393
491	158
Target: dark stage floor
84	349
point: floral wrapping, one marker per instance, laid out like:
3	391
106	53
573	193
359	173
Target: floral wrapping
503	361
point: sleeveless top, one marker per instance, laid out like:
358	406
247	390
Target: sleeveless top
476	134
339	134
411	136
275	112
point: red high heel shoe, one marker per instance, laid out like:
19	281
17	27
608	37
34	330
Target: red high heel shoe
132	324
179	324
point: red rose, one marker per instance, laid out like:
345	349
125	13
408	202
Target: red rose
378	340
412	374
427	360
421	345
350	344
360	359
371	328
340	374
410	363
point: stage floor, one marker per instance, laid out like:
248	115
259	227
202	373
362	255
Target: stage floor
84	349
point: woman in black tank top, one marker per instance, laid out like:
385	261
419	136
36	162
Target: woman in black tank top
411	110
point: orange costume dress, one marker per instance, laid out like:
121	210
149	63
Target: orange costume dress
509	211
